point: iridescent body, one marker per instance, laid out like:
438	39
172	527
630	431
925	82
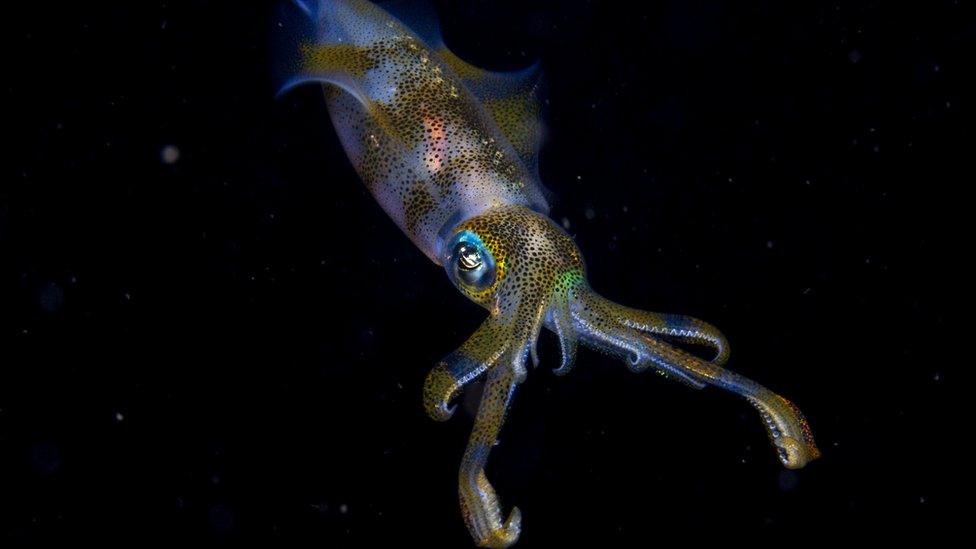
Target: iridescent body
449	151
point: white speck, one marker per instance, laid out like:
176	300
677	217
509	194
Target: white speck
119	417
343	508
769	244
128	296
937	377
566	223
624	209
936	68
854	56
579	177
590	214
921	499
170	154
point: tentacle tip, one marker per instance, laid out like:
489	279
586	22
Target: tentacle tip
636	362
514	523
564	368
441	411
440	388
795	454
507	535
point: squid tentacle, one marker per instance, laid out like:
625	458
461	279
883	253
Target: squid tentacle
458	369
595	319
679	328
787	428
560	321
479	503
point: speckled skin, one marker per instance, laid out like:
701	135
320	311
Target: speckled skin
423	144
433	138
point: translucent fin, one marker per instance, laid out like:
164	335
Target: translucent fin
513	99
326	42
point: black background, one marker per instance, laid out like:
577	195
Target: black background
232	346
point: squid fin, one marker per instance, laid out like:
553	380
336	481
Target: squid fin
326	42
513	99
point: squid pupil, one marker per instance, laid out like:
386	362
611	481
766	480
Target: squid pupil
469	258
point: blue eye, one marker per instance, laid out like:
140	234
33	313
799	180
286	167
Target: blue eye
470	263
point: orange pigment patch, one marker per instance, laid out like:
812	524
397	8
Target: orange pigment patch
435	143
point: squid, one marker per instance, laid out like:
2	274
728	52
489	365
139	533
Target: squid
450	152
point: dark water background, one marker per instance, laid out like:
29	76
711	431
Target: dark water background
226	340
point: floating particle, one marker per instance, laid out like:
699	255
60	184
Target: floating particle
169	154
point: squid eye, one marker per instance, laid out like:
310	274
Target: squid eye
471	263
469	258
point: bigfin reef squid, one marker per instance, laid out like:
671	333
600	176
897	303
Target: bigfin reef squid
450	153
